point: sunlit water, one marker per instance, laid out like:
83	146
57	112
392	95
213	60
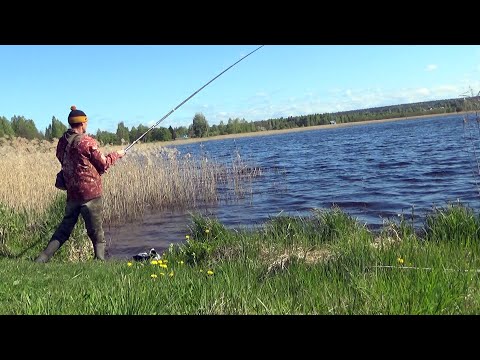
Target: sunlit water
373	172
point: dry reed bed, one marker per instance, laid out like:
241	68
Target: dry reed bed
26	181
158	178
147	178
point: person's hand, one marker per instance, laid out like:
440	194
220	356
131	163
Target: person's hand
121	152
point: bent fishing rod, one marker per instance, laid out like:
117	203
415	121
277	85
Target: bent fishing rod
184	101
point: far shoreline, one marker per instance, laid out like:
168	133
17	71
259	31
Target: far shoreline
173	143
306	128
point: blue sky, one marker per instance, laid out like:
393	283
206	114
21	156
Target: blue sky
142	83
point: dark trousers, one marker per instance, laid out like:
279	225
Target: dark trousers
92	213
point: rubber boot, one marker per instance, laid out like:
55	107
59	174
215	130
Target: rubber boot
46	254
99	250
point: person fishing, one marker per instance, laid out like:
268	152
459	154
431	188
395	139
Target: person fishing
83	165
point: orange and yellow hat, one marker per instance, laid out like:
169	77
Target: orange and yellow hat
76	116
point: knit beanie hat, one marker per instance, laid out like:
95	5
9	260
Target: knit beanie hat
76	116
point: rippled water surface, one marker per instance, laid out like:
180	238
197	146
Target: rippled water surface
371	171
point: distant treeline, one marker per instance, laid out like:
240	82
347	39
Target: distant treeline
19	126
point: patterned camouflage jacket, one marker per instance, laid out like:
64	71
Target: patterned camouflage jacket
83	165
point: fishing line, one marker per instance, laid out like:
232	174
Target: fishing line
184	101
420	268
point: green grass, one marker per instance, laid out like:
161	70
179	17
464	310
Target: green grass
326	263
23	236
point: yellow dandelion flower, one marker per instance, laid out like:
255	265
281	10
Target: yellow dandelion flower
153	276
163	274
160	262
210	272
207	231
187	237
171	273
164	266
400	260
129	264
154	262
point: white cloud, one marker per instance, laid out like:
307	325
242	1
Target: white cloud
431	67
447	89
422	92
264	106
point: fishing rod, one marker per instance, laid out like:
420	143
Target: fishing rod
184	101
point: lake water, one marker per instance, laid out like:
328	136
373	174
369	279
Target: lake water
371	171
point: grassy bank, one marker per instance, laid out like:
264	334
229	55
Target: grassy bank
326	263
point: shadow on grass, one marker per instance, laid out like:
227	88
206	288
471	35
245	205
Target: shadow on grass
7	253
